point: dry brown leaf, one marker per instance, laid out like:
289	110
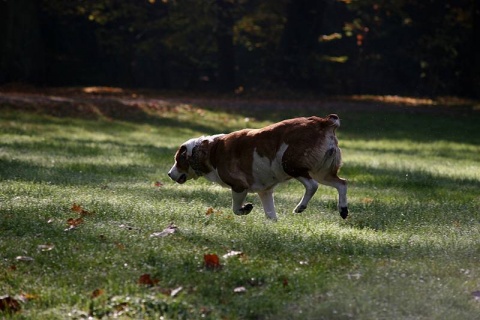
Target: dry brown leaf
211	211
74	222
96	293
212	261
78	208
24	297
145	279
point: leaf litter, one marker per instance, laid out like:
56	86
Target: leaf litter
74	223
171	229
147	280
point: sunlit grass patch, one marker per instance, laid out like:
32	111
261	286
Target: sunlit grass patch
409	249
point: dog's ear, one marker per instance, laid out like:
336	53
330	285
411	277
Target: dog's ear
183	152
181	157
198	160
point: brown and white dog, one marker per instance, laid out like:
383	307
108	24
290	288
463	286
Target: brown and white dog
256	160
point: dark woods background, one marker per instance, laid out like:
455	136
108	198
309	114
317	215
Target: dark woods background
414	47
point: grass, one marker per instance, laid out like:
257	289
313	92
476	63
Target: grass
409	250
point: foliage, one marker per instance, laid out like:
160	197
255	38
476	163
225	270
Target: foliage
402	47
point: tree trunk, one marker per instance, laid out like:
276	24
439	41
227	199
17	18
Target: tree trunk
22	54
299	40
226	56
475	49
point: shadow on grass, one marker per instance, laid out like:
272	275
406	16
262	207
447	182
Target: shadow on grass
73	174
369	121
122	124
359	120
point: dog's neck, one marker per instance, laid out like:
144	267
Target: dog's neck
199	159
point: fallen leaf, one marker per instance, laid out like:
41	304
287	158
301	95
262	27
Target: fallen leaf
158	184
354	276
74	222
24	258
167	231
9	304
175	291
96	293
70	228
367	200
45	247
12	268
211	261
232	253
119	308
145	279
78	208
211	211
24	297
240	290
120	246
127	227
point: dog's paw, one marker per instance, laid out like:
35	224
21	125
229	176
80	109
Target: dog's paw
246	209
344	212
299	208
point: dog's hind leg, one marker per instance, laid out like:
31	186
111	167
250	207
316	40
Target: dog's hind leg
311	187
268	203
340	184
238	199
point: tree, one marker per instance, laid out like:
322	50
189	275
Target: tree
225	46
474	50
299	42
22	55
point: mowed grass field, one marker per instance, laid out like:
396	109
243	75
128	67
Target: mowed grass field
410	248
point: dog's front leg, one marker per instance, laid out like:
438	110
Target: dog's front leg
268	204
238	199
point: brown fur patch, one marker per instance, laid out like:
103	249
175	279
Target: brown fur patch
309	141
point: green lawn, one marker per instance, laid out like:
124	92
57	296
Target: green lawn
409	250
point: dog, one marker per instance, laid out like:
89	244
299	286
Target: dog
256	160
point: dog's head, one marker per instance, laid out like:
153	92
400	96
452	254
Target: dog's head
181	170
191	159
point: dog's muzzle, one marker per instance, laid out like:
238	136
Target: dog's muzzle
177	176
